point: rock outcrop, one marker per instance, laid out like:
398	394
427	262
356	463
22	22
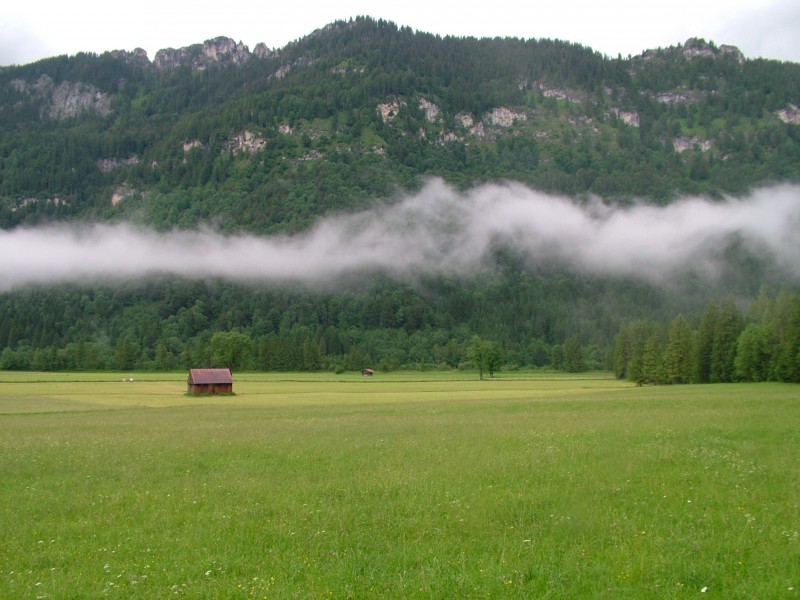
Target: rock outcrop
66	99
629	118
190	145
682	144
388	110
261	51
200	56
504	117
695	48
106	165
790	115
246	141
682	96
138	57
549	91
430	109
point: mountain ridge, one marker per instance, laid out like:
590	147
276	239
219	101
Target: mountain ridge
222	47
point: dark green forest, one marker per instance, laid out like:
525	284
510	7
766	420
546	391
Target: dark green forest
349	117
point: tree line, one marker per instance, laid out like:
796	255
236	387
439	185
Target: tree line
759	343
379	323
514	319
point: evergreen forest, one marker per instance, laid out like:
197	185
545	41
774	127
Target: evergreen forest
351	117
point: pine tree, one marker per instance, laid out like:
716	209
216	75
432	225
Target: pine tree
786	325
728	326
754	349
705	343
678	361
652	362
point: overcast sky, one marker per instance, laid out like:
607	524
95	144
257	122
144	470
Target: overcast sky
33	30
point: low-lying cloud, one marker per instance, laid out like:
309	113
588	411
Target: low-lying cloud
436	231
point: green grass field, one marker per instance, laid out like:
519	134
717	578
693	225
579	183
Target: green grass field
426	485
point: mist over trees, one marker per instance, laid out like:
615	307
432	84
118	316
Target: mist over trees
351	118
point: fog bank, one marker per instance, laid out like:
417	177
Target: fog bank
436	231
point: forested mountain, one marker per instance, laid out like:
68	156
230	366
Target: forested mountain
269	141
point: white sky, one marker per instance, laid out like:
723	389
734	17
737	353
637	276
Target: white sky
30	30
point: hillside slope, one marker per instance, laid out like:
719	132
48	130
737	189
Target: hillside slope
269	140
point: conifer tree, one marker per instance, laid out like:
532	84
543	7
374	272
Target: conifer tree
678	359
728	325
754	353
652	362
705	343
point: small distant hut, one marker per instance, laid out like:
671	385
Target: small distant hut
367	372
210	381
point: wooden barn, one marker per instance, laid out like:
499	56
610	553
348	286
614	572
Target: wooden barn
210	381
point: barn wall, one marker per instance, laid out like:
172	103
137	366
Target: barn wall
213	388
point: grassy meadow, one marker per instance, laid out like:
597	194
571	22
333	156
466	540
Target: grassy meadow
403	485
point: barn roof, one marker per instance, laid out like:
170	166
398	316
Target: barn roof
210	376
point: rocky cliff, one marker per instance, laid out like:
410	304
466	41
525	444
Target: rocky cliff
201	56
692	49
64	100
